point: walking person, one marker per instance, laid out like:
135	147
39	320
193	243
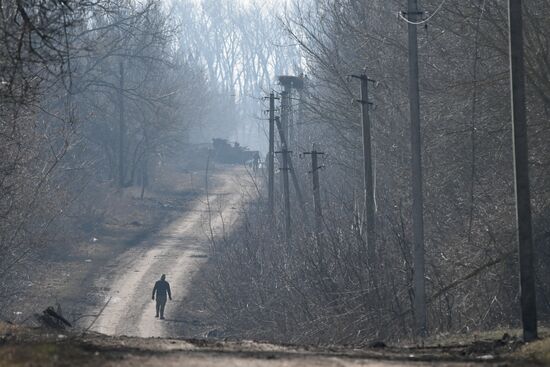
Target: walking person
256	162
162	289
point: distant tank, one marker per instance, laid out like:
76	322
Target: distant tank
224	152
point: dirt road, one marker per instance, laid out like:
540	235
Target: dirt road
177	251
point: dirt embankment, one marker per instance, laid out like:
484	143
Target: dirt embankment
26	347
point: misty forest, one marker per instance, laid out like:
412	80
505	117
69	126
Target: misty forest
316	172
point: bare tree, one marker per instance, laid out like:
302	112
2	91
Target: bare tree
468	178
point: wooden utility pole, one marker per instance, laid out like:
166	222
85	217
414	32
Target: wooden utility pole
316	189
368	176
286	193
412	16
270	158
121	127
521	170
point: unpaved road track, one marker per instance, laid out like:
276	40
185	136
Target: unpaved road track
177	251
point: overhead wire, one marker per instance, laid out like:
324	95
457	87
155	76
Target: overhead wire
427	19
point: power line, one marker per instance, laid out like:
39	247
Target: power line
400	14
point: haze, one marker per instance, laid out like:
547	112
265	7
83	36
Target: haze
342	179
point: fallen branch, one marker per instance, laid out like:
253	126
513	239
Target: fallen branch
97	316
52	319
458	282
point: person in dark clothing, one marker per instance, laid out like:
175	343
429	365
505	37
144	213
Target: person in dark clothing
162	288
256	162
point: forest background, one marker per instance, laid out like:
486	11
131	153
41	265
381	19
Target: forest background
99	97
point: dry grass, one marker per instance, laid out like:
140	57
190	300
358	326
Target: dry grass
537	351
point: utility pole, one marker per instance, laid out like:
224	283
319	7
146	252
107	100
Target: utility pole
300	197
289	82
521	171
316	189
121	127
282	141
368	177
270	158
286	193
285	106
412	16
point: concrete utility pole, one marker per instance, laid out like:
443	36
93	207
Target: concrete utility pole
289	82
417	206
286	193
316	189
521	170
270	158
368	177
299	196
121	127
285	103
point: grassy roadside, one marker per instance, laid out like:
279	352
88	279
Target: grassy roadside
494	345
537	351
